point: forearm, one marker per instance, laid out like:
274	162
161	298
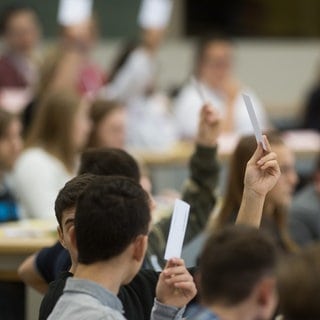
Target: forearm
251	209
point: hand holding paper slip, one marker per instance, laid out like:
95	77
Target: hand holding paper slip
177	230
254	121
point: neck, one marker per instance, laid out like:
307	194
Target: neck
243	311
107	274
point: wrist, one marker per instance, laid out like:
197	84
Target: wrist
251	194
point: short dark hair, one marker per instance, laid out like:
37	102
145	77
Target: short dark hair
69	194
110	213
233	260
109	161
10	11
299	284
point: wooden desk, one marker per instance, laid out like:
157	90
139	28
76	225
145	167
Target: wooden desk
20	239
168	169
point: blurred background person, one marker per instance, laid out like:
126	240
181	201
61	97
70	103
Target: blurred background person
109	121
299	285
59	132
304	216
68	63
214	72
133	81
19	62
278	200
312	108
10	148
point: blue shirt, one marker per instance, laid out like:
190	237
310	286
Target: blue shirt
197	312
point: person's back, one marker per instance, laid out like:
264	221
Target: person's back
113	213
237	276
59	132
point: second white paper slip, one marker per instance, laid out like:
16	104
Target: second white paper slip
254	120
177	230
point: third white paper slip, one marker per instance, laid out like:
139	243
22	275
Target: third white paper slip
177	230
254	120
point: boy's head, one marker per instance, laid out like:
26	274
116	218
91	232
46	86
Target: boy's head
109	161
112	222
65	207
299	284
237	265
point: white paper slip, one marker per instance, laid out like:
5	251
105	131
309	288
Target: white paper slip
177	230
254	120
199	89
73	12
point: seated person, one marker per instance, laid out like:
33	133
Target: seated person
304	218
299	285
20	30
138	301
10	148
237	276
137	297
214	70
198	192
114	213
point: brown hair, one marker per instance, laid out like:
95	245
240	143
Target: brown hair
299	285
52	126
234	188
5	120
233	261
99	110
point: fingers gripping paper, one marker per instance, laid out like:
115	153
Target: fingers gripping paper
177	230
254	120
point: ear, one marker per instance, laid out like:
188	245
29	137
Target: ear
140	247
73	239
266	295
61	237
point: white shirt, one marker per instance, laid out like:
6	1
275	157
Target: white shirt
38	177
188	104
134	78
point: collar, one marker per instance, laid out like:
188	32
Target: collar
104	296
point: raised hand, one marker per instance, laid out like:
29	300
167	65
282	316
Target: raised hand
209	126
175	285
262	171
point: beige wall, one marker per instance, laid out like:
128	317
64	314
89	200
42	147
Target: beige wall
281	72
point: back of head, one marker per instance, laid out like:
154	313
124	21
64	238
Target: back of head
299	285
234	189
53	124
232	262
69	194
110	214
109	161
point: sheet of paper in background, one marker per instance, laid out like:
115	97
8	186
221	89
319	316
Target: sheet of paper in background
254	120
177	230
73	12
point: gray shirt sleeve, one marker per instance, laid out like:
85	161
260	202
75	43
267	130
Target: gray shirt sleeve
164	312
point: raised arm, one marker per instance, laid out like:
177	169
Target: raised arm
262	173
199	190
